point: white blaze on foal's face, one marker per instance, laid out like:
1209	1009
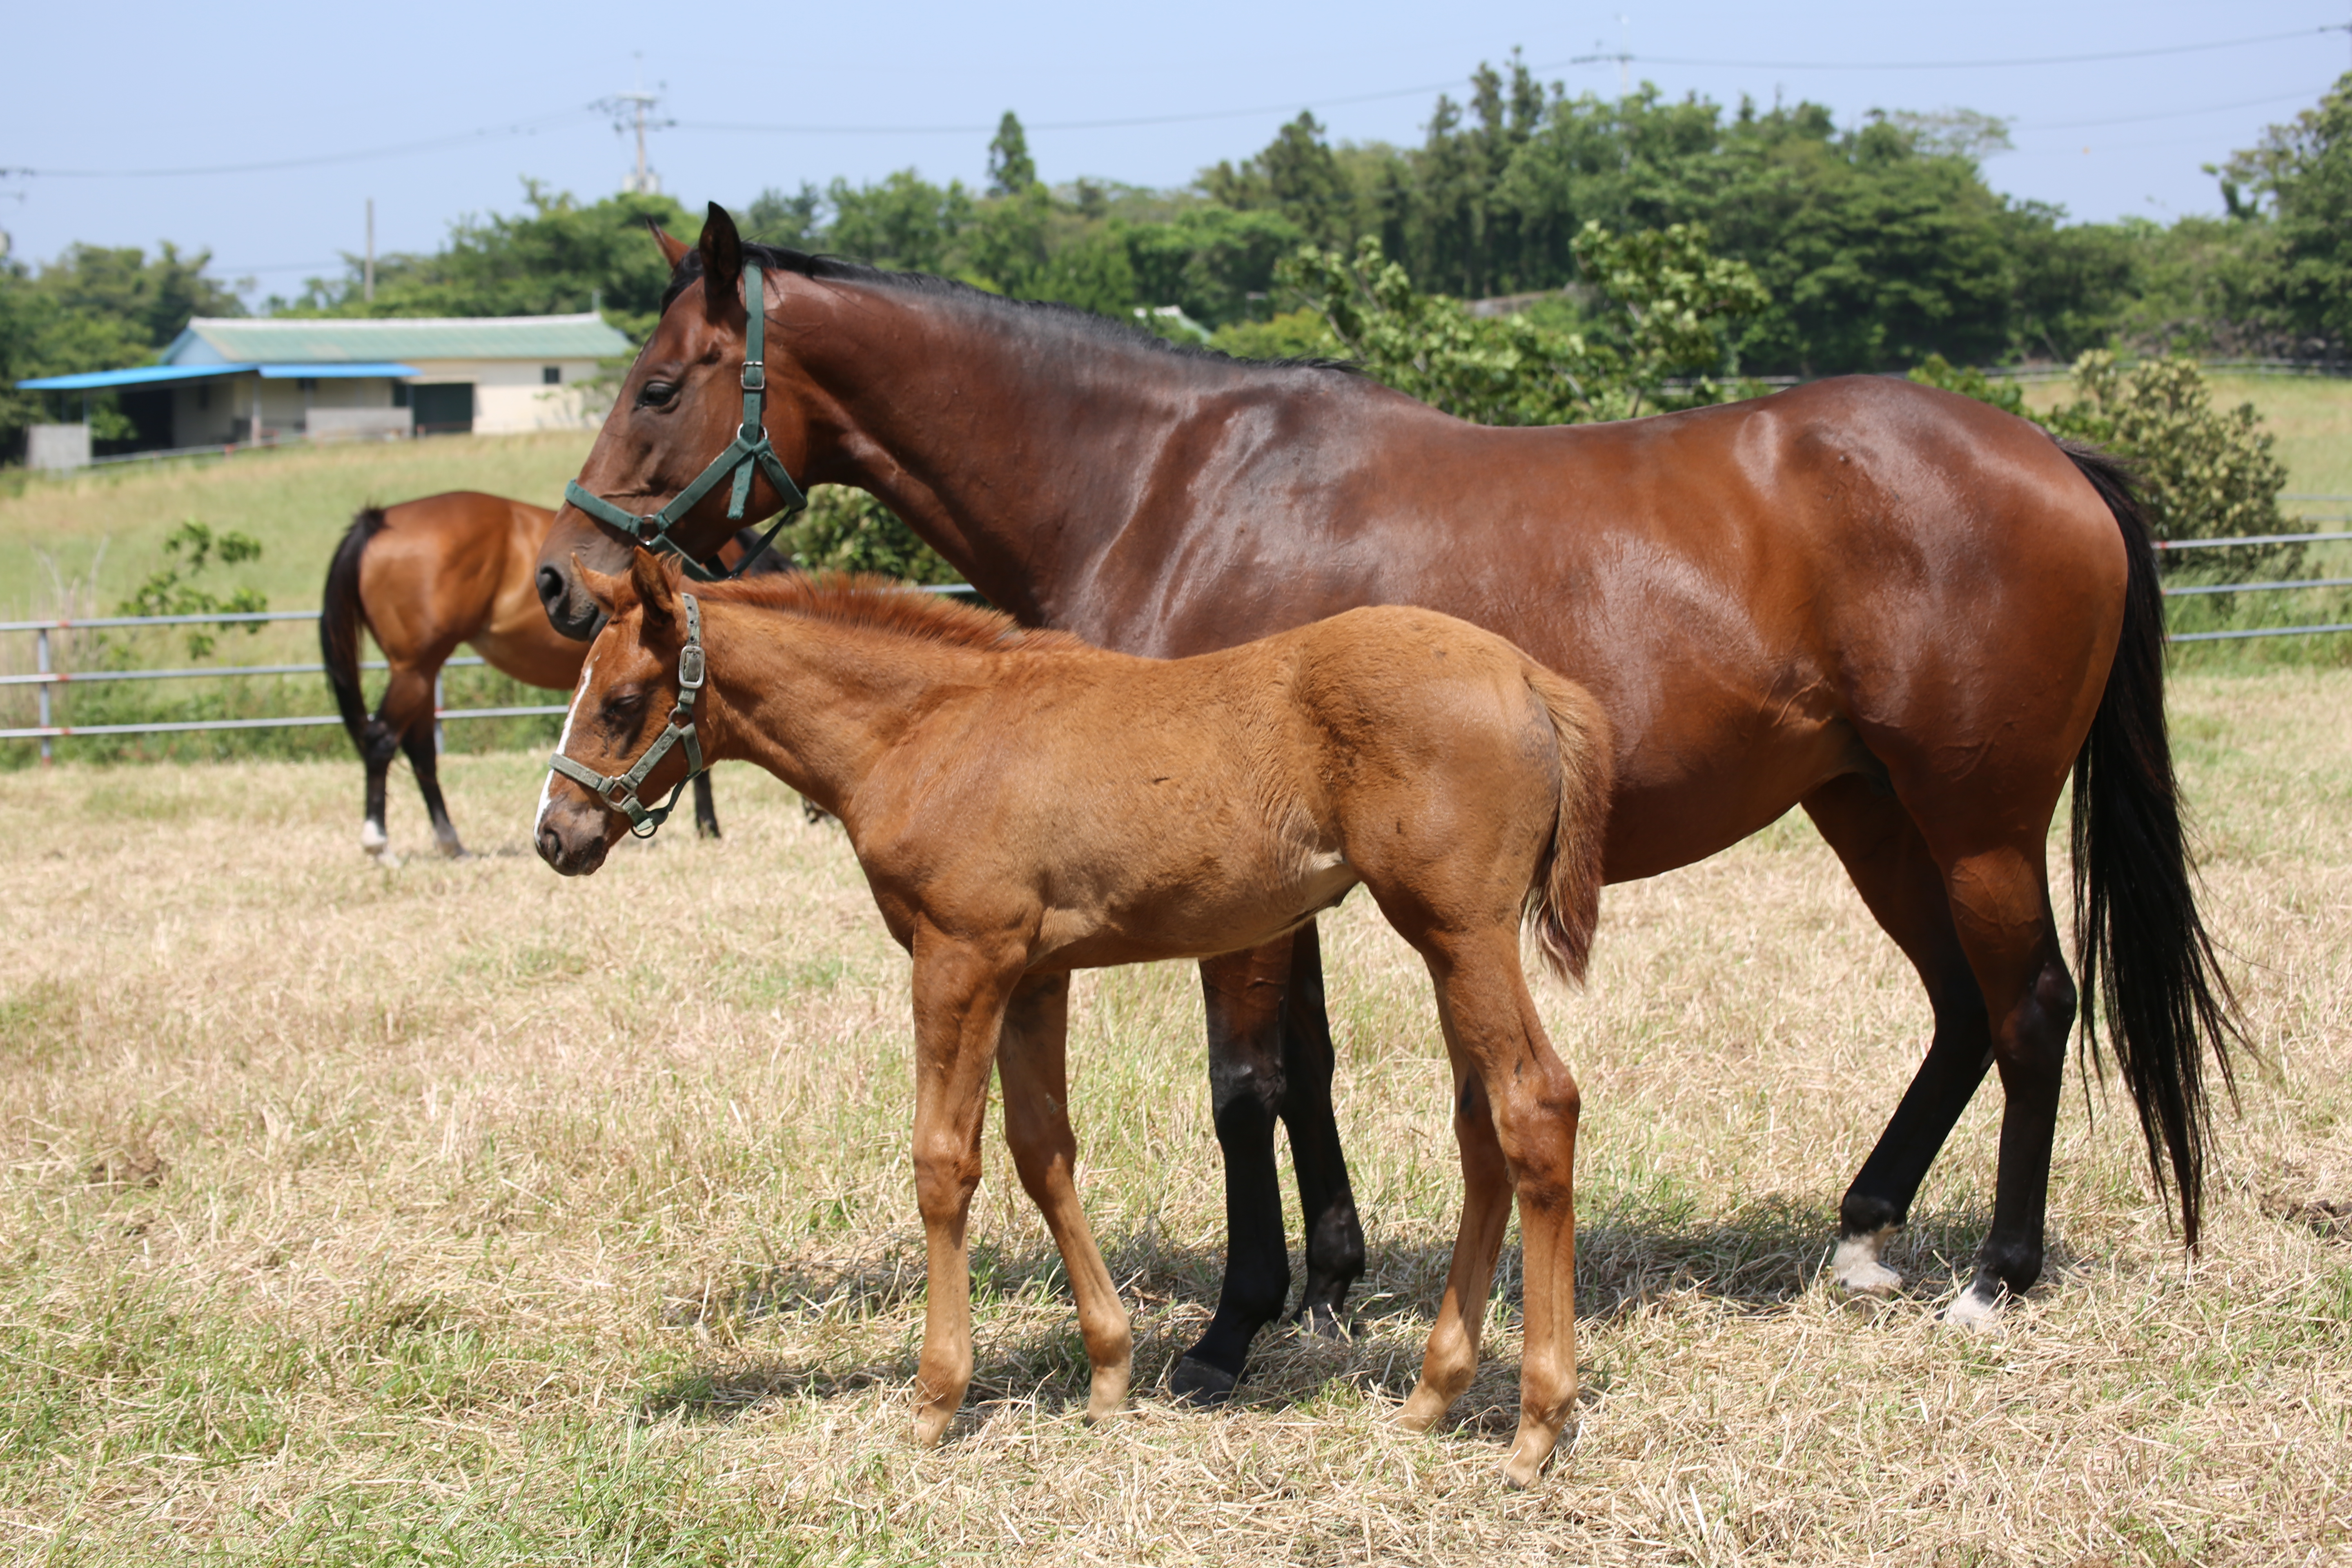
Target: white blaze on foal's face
562	744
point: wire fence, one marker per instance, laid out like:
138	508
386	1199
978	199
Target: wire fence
45	678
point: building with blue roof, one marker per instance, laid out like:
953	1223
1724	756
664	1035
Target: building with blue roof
231	381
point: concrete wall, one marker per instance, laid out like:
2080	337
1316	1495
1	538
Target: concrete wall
56	446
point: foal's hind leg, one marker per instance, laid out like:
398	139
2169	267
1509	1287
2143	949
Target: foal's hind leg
706	812
1899	880
1030	1066
1527	1126
407	702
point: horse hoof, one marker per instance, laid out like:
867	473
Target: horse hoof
1321	1320
1974	1310
1856	1266
931	1427
385	858
1199	1384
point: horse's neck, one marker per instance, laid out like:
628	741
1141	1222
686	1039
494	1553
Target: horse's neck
817	703
952	411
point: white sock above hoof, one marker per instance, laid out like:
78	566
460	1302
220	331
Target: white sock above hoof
1854	1265
1973	1311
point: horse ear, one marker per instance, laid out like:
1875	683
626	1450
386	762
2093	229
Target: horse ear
673	250
722	261
604	592
656	584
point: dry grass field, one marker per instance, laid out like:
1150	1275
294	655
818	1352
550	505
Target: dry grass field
461	1214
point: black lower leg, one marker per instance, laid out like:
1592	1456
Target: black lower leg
424	762
1327	1204
1955	1062
378	746
2032	1070
706	811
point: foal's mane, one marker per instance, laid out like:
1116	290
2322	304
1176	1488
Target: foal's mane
885	605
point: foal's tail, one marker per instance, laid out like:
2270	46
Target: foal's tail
341	615
1564	900
2147	959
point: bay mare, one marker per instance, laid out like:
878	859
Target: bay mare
1023	806
425	576
1901	609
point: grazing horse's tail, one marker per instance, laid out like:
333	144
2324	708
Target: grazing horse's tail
2147	959
341	615
1564	899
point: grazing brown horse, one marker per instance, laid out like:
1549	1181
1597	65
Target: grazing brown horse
424	576
1138	809
1902	609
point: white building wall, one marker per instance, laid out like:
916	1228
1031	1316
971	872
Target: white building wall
512	396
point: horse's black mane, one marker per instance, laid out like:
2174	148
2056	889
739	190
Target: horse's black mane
835	269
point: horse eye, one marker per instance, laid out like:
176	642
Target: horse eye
623	703
657	394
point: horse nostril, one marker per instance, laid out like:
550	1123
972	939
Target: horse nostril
551	848
550	589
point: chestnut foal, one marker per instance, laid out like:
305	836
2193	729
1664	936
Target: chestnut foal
1024	805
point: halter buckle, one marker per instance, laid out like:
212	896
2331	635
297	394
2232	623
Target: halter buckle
690	665
755	375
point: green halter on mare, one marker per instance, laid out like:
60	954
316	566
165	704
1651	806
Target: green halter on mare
621	793
749	450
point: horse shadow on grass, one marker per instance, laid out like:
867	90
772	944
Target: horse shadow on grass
1762	1259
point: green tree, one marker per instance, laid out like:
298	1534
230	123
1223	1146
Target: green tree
775	219
557	257
1676	306
906	222
2304	171
1011	171
847	529
1297	176
172	590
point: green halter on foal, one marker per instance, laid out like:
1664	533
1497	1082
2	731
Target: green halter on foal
750	449
620	793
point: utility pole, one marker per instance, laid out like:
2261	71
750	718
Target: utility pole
630	111
367	288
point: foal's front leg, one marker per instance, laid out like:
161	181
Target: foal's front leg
960	999
1031	1066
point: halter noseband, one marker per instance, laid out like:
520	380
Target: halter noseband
620	793
750	449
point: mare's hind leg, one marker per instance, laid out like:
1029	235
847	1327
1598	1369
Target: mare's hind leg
706	811
426	762
1904	888
1030	1066
407	702
2001	903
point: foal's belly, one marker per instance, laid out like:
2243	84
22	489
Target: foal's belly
1192	917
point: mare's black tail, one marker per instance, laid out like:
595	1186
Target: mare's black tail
341	615
2147	961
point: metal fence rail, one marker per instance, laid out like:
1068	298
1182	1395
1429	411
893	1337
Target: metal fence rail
47	679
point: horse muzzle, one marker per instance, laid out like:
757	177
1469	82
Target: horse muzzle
574	837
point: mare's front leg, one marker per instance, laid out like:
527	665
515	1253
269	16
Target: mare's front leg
961	992
1270	1056
1327	1203
706	810
1031	1067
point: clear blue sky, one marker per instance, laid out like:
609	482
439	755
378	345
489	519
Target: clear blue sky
141	86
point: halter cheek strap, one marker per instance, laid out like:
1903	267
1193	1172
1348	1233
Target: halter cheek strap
620	793
750	449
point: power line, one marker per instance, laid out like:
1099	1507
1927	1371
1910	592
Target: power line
2174	113
489	133
530	126
1989	65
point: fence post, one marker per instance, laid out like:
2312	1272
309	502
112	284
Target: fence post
436	713
41	662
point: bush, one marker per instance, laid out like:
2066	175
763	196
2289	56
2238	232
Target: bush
845	530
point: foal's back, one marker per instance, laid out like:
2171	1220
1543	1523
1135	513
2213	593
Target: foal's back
1142	808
